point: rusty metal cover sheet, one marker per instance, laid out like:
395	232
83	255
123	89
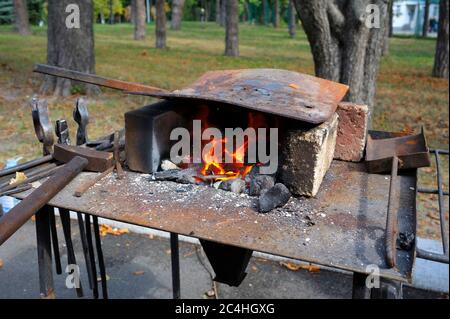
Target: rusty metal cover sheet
281	92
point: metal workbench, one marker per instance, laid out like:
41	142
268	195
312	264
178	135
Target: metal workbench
343	227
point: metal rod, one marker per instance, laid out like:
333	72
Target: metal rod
44	252
441	204
87	220
31	179
95	79
391	221
19	189
36	172
54	236
84	244
27	165
67	230
175	265
428	255
431	191
101	262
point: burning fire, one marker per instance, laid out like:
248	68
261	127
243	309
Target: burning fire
214	167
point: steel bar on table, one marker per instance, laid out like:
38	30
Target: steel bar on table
87	220
174	254
20	213
33	176
54	236
16	190
44	253
79	191
101	263
391	221
71	259
27	165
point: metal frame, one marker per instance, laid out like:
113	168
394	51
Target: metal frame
428	255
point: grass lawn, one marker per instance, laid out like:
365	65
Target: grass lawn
407	96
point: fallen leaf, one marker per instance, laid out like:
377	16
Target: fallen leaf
106	229
168	252
210	293
19	177
254	268
290	266
139	273
295	267
294	86
33	218
1	264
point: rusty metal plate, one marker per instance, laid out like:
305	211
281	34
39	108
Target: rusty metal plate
412	151
281	92
349	216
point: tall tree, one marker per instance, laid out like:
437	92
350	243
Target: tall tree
276	14
265	12
441	57
218	11
292	19
139	19
346	42
160	28
232	28
223	9
70	43
177	14
388	28
21	23
426	16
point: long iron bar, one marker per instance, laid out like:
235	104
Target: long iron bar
174	254
101	262
87	220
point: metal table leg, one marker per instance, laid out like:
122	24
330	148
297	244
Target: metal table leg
87	220
44	253
101	262
175	265
67	229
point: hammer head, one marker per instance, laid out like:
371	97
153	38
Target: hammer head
98	161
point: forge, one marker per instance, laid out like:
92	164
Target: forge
243	136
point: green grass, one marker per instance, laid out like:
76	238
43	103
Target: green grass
407	96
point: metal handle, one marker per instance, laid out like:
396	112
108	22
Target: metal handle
23	211
391	220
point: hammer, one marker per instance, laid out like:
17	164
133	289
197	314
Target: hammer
77	159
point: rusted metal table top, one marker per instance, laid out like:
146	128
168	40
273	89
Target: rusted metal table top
343	227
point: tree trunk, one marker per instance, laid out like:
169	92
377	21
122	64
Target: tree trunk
426	16
111	12
218	11
223	10
21	23
139	20
232	29
69	46
276	18
292	20
160	28
387	31
440	69
264	12
177	14
345	43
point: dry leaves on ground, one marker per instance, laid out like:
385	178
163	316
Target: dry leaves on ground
139	273
1	264
106	229
295	267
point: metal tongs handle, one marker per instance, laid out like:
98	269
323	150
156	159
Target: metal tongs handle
391	220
